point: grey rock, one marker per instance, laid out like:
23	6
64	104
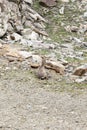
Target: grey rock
49	3
29	1
3	24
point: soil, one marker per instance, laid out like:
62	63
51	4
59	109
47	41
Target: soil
27	103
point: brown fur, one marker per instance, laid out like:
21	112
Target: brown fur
42	74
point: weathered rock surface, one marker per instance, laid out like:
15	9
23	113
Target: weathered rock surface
80	70
49	3
21	13
55	65
35	61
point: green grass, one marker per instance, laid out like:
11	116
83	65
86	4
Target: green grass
54	28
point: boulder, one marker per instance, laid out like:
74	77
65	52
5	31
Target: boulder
80	71
47	3
55	65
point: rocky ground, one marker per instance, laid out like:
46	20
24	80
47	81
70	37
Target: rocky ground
58	33
30	103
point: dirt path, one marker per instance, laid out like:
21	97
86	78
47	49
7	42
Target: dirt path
26	104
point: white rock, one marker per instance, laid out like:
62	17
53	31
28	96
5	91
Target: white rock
61	10
15	37
77	40
85	15
81	80
33	36
27	24
0	9
36	16
39	25
7	68
65	0
73	0
26	32
79	54
30	35
1	45
24	42
82	28
25	54
36	59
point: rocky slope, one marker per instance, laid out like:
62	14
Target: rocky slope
29	31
